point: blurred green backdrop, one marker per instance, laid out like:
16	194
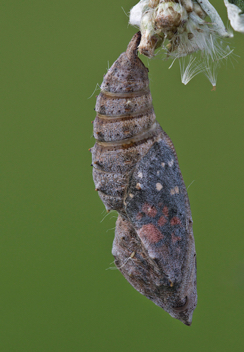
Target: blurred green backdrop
55	242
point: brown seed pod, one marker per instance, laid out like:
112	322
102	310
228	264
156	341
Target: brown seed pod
136	172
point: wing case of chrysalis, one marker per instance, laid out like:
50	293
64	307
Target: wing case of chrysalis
136	172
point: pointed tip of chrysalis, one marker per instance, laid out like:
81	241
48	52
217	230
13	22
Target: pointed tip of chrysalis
132	47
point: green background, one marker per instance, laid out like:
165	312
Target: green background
55	241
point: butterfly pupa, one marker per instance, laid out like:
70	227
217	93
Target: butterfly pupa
136	173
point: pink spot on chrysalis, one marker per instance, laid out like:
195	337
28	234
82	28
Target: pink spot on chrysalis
162	221
150	233
175	221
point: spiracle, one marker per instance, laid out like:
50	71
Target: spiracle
136	173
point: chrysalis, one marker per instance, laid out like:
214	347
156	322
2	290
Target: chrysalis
136	172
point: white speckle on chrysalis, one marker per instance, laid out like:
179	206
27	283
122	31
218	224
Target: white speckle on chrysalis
131	195
140	175
128	104
163	164
174	190
138	186
158	172
171	163
158	186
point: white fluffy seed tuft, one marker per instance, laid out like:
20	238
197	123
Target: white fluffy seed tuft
136	13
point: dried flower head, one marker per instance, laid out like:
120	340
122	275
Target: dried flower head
180	29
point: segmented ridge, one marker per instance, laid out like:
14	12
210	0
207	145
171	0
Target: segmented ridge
125	126
124	106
